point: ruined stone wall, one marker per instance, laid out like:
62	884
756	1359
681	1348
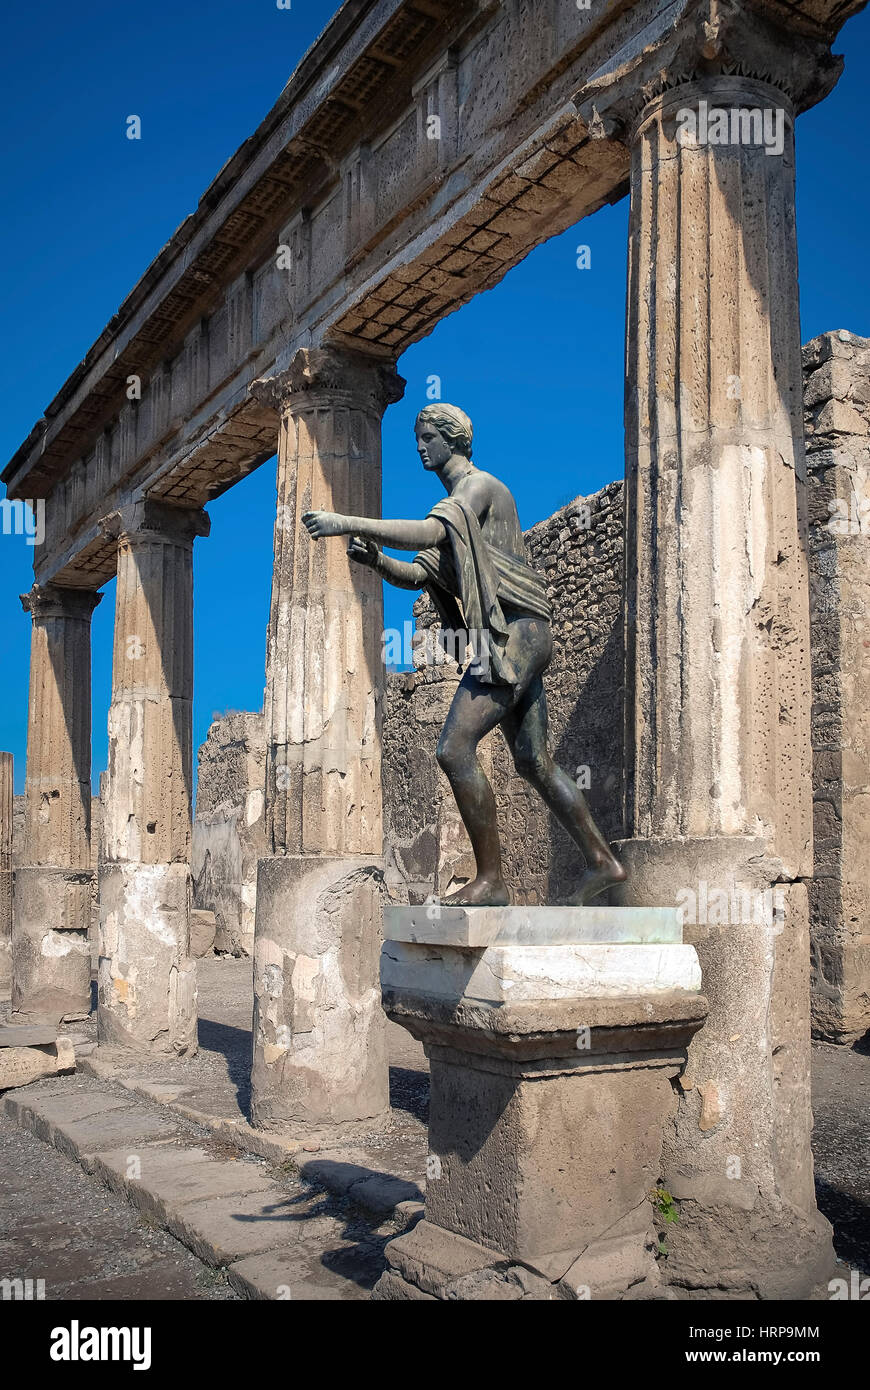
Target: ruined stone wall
228	828
837	415
578	550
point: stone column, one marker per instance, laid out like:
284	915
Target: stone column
318	1026
147	981
5	873
51	967
719	786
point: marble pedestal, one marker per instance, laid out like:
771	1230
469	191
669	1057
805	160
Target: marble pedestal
551	1069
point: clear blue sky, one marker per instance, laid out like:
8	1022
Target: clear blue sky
86	210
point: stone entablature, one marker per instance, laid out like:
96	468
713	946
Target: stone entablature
349	215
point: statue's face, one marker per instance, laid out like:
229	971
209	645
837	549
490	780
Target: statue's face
432	447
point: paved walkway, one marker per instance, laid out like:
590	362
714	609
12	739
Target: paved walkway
259	1217
60	1226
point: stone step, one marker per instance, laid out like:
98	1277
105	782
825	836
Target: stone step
236	1214
338	1166
21	1064
27	1035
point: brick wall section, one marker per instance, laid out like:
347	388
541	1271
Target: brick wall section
837	416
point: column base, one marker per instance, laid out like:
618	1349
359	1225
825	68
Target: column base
319	1034
147	981
551	1072
431	1263
51	961
737	1153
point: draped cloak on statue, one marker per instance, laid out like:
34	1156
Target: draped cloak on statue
481	577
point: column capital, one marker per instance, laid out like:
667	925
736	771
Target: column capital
53	601
332	375
149	520
704	42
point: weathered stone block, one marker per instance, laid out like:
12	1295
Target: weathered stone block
52	917
319	1056
147	980
546	1118
20	1064
202	932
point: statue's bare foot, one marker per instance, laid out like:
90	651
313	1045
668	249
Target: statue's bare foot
594	881
480	892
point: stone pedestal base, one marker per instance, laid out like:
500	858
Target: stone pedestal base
319	1049
550	1089
147	980
51	961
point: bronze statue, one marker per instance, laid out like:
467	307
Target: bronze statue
472	560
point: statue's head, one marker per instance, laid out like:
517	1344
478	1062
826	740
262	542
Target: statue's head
442	430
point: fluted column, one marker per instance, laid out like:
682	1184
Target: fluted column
718	613
5	873
147	981
718	773
51	966
318	1026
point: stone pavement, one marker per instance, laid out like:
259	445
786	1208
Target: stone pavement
386	1166
274	1219
83	1242
270	1233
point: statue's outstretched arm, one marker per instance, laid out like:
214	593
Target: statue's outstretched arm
401	535
403	574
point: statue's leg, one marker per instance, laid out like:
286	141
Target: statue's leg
476	709
525	729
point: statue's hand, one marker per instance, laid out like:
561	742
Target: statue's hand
364	551
319	525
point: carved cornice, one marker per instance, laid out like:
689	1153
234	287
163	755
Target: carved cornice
330	375
149	521
51	601
696	42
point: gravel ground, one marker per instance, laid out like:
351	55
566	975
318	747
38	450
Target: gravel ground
841	1146
59	1225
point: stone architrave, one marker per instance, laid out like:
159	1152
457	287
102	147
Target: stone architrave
319	1057
147	979
51	966
719	786
5	872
